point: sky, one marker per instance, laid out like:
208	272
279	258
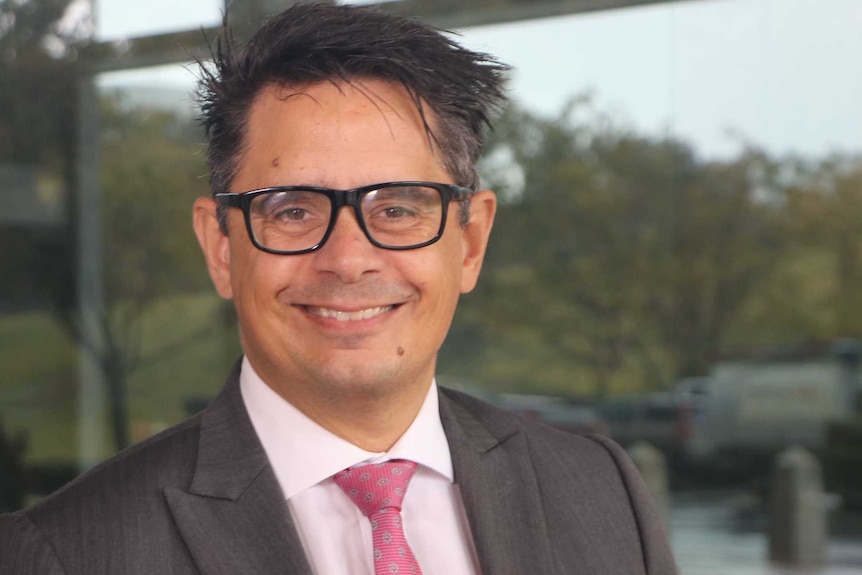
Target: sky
778	74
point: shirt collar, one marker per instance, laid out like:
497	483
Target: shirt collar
303	453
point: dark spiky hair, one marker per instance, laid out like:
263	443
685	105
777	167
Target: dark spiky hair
322	42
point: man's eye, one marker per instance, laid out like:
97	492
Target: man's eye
396	212
292	214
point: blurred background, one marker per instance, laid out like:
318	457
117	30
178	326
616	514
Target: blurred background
677	259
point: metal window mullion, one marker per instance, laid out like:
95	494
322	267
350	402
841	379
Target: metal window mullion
92	392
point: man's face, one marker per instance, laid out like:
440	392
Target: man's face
349	320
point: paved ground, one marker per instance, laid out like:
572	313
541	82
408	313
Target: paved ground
718	534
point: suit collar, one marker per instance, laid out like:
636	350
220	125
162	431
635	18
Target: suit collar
230	457
289	436
233	517
494	471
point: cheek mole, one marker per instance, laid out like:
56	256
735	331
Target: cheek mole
276	162
400	350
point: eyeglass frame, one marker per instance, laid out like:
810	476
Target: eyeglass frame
338	199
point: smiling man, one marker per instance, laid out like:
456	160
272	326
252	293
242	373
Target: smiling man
340	312
345	222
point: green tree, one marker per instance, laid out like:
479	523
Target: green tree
567	282
151	173
620	262
812	291
725	242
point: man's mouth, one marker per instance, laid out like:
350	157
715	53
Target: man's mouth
339	315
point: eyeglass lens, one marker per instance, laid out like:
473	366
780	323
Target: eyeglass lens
397	216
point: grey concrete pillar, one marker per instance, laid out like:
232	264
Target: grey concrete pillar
797	519
653	468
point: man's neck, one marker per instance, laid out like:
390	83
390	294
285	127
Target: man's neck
370	424
372	417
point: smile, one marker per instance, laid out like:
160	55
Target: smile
339	315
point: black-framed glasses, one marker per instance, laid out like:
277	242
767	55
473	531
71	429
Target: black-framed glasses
290	220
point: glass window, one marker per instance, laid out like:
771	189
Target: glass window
161	311
98	344
682	186
681	178
721	75
677	255
38	353
119	19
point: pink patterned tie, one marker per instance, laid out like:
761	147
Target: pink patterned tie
377	489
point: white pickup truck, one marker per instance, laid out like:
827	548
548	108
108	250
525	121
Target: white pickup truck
751	408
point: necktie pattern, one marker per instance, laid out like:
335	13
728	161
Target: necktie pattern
378	489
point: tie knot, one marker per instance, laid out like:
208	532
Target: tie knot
376	486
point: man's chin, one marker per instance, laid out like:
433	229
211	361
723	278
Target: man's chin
366	380
359	388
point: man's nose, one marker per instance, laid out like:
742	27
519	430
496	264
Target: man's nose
348	253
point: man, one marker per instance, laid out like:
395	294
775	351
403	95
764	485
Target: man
345	223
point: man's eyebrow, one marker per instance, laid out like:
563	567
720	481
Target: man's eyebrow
401	191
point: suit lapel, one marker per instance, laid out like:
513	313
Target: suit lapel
234	518
500	492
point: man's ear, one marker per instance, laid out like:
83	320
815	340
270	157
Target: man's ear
483	206
214	243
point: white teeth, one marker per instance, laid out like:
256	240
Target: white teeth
349	315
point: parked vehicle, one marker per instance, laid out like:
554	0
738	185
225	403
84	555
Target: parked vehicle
660	419
558	412
749	409
561	412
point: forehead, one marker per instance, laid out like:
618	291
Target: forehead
323	113
314	128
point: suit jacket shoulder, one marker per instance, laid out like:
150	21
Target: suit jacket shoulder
200	498
566	502
118	504
24	548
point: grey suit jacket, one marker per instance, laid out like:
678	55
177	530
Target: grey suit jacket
201	498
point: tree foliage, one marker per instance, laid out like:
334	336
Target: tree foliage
151	173
621	262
